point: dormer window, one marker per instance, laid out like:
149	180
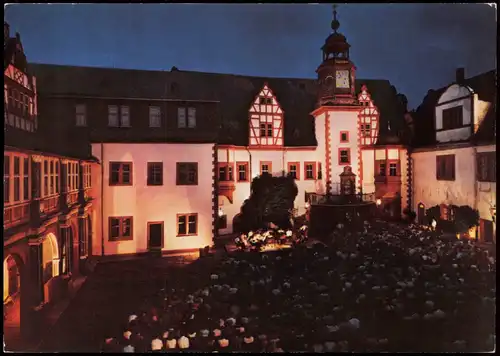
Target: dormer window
453	118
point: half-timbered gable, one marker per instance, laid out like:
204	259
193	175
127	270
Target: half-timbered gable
266	120
368	123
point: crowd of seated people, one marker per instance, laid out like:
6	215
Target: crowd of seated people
381	289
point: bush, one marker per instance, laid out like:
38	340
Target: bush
410	215
271	201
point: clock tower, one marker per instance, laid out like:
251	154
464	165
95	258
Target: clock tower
336	75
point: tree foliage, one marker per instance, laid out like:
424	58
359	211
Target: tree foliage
271	201
464	218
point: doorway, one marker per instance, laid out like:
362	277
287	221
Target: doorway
421	214
155	236
486	230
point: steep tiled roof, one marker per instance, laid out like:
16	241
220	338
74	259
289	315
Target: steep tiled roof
235	93
484	85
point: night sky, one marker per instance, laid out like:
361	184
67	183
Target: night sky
415	46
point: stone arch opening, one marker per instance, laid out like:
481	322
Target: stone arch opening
13	274
50	264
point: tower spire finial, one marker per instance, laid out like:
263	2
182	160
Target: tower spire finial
335	22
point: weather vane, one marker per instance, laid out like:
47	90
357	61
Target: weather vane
335	23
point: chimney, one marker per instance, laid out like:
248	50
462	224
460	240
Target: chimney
6	32
460	75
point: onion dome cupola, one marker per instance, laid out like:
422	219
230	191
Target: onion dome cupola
336	75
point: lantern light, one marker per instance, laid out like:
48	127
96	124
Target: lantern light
221	213
308	205
379	202
434	223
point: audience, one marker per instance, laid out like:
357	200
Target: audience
387	288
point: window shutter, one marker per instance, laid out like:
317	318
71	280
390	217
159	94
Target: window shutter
191	117
181	117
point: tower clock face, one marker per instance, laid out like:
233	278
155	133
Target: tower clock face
342	79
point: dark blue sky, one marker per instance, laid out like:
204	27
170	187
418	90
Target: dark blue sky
415	46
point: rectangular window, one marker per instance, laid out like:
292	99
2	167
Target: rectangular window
266	167
6	178
45	178
452	118
266	130
320	171
187	173
344	136
120	173
242	171
344	156
187	224
293	169
393	169
191	118
310	170
365	130
81	115
226	172
57	177
17	179
181	118
380	167
155	173
26	182
125	116
445	167
77	176
113	116
486	167
154	116
51	178
120	228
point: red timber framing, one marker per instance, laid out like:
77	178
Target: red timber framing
266	121
387	184
368	126
368	119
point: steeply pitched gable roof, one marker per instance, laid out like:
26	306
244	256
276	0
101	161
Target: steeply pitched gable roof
484	85
235	93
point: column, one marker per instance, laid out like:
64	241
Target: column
32	291
64	185
36	165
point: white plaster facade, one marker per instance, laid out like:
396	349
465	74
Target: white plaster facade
465	189
279	160
154	203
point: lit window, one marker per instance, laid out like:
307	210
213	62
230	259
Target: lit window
120	228
344	156
187	224
155	173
